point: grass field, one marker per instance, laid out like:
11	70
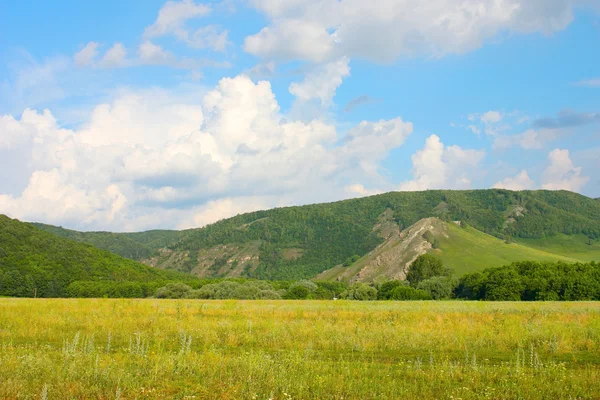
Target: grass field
574	246
152	349
469	250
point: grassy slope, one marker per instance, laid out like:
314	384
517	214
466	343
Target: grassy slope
574	246
467	250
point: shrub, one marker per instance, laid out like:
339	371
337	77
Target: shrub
360	291
297	292
386	289
173	291
438	287
409	293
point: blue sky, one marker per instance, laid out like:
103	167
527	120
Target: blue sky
130	115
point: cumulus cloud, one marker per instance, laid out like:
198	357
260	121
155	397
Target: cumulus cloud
317	30
520	182
114	57
172	19
491	117
151	159
86	55
322	82
437	166
561	174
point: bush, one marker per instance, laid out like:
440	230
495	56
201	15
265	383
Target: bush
409	293
351	260
268	295
297	292
438	287
173	291
360	291
386	289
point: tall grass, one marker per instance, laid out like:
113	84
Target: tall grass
152	349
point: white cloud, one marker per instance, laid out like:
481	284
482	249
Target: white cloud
172	17
150	53
592	83
491	117
520	182
291	39
208	37
474	129
359	190
86	55
561	174
437	166
114	57
531	139
319	30
153	159
322	82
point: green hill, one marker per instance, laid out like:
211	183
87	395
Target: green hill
33	261
303	242
136	246
464	249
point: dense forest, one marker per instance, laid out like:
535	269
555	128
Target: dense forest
328	234
37	263
533	281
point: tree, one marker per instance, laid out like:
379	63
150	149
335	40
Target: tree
386	289
438	287
173	291
297	292
360	291
424	267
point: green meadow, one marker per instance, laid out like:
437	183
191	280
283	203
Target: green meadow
468	250
192	349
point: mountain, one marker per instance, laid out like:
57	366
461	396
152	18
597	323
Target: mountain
469	230
33	261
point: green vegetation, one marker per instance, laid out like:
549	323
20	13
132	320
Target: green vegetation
331	234
468	250
37	263
579	247
498	227
136	246
533	281
425	267
186	349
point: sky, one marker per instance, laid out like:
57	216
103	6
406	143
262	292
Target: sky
131	115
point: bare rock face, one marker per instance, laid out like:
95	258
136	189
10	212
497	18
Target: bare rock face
393	257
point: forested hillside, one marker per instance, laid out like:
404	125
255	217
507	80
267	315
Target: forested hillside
137	246
301	242
35	262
